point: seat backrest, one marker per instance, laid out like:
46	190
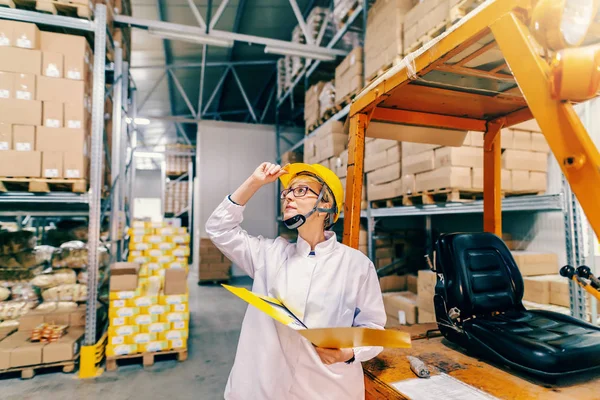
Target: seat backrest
480	273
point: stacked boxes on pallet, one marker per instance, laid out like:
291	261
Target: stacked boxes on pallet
148	309
349	75
311	104
328	143
407	245
214	266
176	197
45	82
383	166
296	61
326	99
177	164
383	41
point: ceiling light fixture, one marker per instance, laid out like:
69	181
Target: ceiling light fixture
310	55
200	39
138	121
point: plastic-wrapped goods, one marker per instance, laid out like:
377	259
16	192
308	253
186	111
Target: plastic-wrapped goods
48	332
9	323
154	285
24	292
14	309
57	277
327	98
69	292
4	293
16	242
74	254
82	276
59	306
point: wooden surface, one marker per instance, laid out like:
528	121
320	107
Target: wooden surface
391	366
147	358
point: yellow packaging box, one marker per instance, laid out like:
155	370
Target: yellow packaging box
136	239
180	325
141	338
138	224
156	309
155	225
117	303
156	327
174	317
139	231
124	295
159	272
115	340
162	259
152	266
182	307
158	345
183	260
140	260
117	321
176	265
121	349
181	251
164	246
143	319
142	301
178	344
172	299
136	253
138	247
153	239
114	312
143	271
123	330
173	335
167	230
154	253
180	239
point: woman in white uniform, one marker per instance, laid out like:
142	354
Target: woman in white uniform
324	283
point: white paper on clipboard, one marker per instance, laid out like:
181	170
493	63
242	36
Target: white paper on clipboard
440	387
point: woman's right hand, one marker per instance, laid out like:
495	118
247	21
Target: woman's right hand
268	173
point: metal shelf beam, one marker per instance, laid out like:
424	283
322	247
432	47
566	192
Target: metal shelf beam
47	19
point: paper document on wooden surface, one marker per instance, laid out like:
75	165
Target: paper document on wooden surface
440	387
334	338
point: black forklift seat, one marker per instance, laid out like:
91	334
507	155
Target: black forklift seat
478	305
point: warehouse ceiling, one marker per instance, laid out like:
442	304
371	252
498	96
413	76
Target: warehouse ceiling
267	18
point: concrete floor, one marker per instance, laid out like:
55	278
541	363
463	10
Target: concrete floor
215	322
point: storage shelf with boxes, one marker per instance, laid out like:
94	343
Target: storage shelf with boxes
45	87
214	266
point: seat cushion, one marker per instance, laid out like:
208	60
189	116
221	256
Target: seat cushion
541	341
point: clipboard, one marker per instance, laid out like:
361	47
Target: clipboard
333	338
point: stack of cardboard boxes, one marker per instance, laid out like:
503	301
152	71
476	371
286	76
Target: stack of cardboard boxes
408	245
45	82
383	41
325	147
146	314
177	164
176	197
349	75
341	9
297	62
291	157
214	266
383	168
311	104
326	98
426	16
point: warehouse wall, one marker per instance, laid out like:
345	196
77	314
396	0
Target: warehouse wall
229	152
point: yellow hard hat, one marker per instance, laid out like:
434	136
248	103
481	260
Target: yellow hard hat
325	174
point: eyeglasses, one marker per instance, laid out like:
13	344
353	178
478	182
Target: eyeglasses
298	191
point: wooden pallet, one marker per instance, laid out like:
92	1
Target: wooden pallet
348	99
43	185
212	281
147	359
345	18
29	371
55	7
429	36
385	68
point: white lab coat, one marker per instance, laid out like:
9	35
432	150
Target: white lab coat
337	287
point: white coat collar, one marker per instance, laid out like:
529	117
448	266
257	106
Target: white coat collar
303	248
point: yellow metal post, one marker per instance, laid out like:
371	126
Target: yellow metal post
492	178
87	362
354	179
569	141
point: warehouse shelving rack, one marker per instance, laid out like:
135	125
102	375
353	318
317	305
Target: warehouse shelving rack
88	204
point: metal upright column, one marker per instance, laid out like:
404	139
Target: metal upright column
123	162
116	160
196	213
190	207
88	352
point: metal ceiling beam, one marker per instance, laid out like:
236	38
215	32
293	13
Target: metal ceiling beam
160	5
301	22
264	113
197	14
156	84
238	37
203	67
239	83
207	65
215	91
182	93
218	14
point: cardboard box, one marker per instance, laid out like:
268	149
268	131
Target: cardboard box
539	143
77	68
392	283
74	45
477	179
123	276
21	164
379	145
25	86
522	140
426	281
559	292
6	34
75	164
375	161
417	163
21	112
409	133
386	174
61	139
76	116
52	114
531	126
524	160
412	283
534	264
408	184
7	85
64	349
445	177
26	35
537	289
24	137
61	90
426	317
459	157
401	305
52	164
175	281
52	64
410	148
384	191
6	136
26	353
20	60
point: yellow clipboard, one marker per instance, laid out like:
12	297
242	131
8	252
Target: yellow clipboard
333	338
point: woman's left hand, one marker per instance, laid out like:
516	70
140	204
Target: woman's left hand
333	356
